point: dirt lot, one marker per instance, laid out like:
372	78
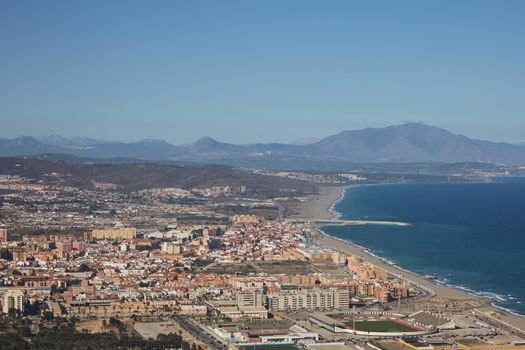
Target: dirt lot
289	267
231	268
391	345
92	326
153	329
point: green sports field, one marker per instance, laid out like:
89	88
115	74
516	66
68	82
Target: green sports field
380	326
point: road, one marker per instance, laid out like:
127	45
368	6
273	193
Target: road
212	341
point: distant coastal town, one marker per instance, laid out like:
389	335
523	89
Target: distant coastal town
216	268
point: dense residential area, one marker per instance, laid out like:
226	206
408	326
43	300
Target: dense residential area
218	267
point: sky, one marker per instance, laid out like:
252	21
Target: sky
260	71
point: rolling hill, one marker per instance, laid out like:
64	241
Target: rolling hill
137	176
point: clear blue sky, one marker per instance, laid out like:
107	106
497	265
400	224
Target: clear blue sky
259	71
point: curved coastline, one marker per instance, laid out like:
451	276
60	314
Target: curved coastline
491	296
335	214
435	287
367	254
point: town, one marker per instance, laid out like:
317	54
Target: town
206	268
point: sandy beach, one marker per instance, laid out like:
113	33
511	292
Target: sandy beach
319	208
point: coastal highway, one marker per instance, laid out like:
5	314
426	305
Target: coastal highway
336	222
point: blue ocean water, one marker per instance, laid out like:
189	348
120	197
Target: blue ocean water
471	236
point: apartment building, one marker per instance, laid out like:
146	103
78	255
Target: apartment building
11	298
122	233
250	299
309	299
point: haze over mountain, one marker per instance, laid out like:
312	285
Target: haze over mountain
411	142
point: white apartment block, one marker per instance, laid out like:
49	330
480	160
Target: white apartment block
11	298
309	299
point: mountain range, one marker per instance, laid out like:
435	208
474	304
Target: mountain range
410	142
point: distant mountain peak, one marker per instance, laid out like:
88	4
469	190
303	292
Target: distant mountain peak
205	142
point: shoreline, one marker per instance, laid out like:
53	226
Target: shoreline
323	207
319	206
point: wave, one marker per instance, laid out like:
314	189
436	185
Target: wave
479	293
510	311
336	214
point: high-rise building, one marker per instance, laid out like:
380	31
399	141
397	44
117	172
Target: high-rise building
3	235
170	248
18	253
64	247
249	299
11	298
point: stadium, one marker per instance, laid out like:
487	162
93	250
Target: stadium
377	324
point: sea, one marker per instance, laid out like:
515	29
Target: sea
469	236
